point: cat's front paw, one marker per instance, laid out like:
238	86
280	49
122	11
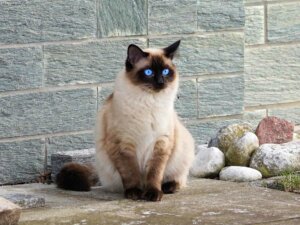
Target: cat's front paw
153	194
134	193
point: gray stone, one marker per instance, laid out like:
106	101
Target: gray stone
208	53
84	156
208	162
21	161
274	159
47	112
20	68
91	62
202	131
172	16
38	20
69	143
26	201
239	153
239	174
122	18
216	14
254	25
270	79
103	93
9	212
283	22
290	114
186	102
220	96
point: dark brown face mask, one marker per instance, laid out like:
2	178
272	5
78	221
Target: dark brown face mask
157	71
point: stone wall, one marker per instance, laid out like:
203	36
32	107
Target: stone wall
58	61
272	58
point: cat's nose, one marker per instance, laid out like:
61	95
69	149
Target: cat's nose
160	80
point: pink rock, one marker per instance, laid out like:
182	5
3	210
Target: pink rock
274	130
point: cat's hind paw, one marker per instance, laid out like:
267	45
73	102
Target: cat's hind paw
169	187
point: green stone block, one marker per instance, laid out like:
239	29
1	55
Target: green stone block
122	18
254	117
103	93
220	96
254	25
216	14
21	161
272	75
21	68
91	62
207	54
38	20
47	112
186	103
290	114
254	1
284	22
172	16
69	143
202	132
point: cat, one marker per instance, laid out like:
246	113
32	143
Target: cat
142	148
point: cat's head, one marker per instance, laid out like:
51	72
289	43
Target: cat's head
151	69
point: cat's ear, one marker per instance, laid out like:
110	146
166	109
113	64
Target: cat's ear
171	50
135	54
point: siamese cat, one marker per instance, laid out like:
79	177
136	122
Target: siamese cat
142	148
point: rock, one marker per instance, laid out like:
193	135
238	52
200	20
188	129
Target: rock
208	162
239	153
84	156
228	138
296	137
274	159
9	212
227	135
239	174
274	130
26	201
200	147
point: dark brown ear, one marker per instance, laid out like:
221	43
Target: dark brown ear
135	54
170	51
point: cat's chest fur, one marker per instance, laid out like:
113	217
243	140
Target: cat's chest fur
142	117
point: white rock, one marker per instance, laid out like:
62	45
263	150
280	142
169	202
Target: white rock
274	159
239	174
200	147
208	162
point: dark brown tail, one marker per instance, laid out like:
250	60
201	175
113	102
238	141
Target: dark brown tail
76	177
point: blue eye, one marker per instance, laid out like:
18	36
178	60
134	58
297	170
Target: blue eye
148	72
165	72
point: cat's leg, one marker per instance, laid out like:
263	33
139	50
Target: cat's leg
155	169
178	166
124	158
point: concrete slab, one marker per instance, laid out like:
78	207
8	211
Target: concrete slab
205	201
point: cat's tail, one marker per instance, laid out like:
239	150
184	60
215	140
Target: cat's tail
76	177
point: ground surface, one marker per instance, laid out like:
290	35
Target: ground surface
203	202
